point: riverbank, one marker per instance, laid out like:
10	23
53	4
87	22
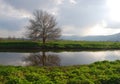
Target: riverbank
105	72
78	45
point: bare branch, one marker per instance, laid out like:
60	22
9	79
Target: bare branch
43	26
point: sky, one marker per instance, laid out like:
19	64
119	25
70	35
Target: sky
75	17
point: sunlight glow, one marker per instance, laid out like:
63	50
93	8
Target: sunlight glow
100	29
114	9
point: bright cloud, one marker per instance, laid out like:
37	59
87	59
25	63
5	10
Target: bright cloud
100	29
69	30
58	2
114	12
73	1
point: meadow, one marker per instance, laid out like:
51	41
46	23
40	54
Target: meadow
59	45
104	72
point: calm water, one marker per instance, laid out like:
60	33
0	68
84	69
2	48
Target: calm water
57	58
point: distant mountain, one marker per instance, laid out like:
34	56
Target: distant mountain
115	37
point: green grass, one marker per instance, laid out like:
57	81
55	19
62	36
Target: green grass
84	45
105	72
18	44
59	45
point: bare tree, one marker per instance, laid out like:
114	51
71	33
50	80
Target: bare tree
43	26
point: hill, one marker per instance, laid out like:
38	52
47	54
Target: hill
114	37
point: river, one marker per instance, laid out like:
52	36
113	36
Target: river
64	58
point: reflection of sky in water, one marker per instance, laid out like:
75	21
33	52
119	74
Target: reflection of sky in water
12	58
86	57
67	58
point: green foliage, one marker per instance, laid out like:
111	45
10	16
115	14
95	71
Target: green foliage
104	72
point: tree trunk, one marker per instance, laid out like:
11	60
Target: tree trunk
43	41
44	58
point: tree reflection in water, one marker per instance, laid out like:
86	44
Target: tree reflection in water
42	59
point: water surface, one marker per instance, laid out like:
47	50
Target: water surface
57	58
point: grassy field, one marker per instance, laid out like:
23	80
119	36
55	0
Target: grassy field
85	45
59	45
105	72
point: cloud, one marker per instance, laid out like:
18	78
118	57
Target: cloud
12	20
73	1
14	15
112	24
10	17
81	16
31	5
58	2
9	11
69	30
13	33
75	17
100	29
84	13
